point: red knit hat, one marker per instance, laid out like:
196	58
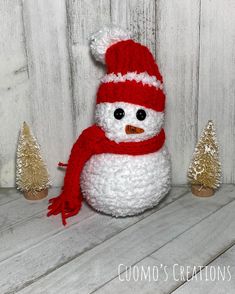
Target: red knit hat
132	74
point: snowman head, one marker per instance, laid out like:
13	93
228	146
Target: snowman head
126	122
130	99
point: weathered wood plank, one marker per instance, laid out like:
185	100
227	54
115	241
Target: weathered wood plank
99	265
49	71
85	231
84	18
33	228
177	39
196	247
14	86
33	231
138	17
216	77
8	195
210	285
17	209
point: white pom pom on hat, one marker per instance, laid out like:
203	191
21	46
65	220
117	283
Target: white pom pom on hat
106	37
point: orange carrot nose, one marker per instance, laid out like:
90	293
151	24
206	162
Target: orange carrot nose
133	130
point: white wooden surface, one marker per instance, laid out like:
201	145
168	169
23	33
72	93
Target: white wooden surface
196	246
48	78
213	286
38	255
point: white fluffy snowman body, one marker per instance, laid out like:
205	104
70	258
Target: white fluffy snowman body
123	185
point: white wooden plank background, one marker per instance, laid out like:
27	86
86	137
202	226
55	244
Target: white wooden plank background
217	77
84	18
14	86
138	17
50	106
177	40
48	78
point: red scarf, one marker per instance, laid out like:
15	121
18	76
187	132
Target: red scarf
93	141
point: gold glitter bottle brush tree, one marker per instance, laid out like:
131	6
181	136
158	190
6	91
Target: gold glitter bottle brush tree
32	177
204	173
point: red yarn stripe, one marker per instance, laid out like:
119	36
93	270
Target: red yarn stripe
132	92
93	141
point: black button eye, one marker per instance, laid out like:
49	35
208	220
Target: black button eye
141	114
119	113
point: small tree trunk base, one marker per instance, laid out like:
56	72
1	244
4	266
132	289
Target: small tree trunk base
36	195
202	191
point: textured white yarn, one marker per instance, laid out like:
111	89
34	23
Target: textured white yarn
115	129
104	38
123	185
142	77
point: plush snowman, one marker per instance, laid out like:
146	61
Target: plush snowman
120	165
